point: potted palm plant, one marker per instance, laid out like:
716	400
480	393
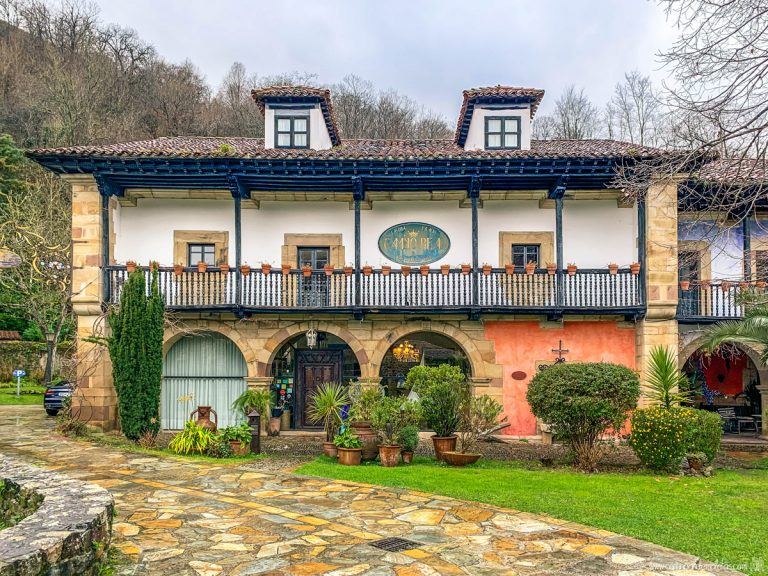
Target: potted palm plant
239	438
409	440
255	399
325	406
348	446
479	416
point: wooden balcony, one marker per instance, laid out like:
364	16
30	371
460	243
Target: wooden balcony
587	292
712	302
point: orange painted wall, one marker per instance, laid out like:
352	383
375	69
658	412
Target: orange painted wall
521	346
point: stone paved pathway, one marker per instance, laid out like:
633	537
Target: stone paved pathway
183	518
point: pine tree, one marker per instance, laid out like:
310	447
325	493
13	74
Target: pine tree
136	350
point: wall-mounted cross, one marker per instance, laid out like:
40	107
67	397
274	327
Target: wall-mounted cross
560	351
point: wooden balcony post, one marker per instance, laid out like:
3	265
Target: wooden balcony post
238	247
358	193
474	195
560	296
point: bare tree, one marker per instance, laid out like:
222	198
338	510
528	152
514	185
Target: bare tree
634	111
544	127
574	118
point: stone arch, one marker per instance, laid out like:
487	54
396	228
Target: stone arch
267	354
172	336
694	345
468	346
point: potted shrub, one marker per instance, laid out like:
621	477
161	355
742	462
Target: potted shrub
479	416
363	402
572	269
130	266
487	268
409	440
389	417
367	270
328	269
445	269
348	446
255	399
635	268
685	285
239	438
306	270
466	269
202	267
551	268
386	269
266	268
286	269
405	269
441	390
424	269
530	267
325	406
348	270
613	269
178	269
245	269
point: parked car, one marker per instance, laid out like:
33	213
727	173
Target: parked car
54	397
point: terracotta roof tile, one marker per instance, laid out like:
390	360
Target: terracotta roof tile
9	335
253	148
741	171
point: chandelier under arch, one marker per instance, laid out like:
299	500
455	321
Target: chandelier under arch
406	352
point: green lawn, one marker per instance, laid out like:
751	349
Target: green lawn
30	394
722	519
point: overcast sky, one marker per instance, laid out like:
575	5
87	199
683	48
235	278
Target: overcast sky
429	50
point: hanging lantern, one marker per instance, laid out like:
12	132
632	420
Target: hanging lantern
311	338
405	352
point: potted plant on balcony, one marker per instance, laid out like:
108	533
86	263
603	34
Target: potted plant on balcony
202	267
245	269
725	285
424	269
239	438
409	440
487	268
348	269
325	406
178	269
466	269
386	269
266	268
634	268
509	269
405	269
530	267
613	269
551	268
328	269
479	416
285	269
130	266
445	269
224	267
348	447
306	270
685	285
572	269
743	286
367	270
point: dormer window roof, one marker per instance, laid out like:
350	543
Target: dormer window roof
494	96
292	98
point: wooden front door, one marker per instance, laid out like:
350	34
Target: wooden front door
314	367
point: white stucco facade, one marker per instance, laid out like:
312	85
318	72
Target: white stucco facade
595	232
319	139
476	134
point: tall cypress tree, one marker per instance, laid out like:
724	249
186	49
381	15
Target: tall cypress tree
136	350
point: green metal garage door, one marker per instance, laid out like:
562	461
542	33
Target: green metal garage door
201	370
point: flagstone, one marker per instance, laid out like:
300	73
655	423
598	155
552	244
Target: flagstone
125	529
162	554
423	517
597	549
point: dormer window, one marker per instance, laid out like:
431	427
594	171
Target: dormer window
291	131
502	132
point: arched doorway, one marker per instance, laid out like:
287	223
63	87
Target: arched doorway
419	349
201	370
725	379
300	366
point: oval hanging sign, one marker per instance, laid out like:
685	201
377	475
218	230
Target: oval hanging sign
414	243
8	259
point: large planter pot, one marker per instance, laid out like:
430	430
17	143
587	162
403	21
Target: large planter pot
389	455
443	444
368	439
350	456
330	450
459	459
273	429
407	456
239	448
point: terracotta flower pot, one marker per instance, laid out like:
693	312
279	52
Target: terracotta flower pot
551	269
350	456
466	269
407	456
266	268
530	268
459	459
634	268
509	269
443	444
307	271
385	270
328	269
685	285
760	283
368	439
224	268
273	428
445	269
613	269
178	269
330	450
202	267
245	269
424	270
348	270
389	455
487	269
725	286
130	266
571	270
239	448
286	269
406	270
367	270
744	285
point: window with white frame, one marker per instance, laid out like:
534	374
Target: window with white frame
502	132
291	131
